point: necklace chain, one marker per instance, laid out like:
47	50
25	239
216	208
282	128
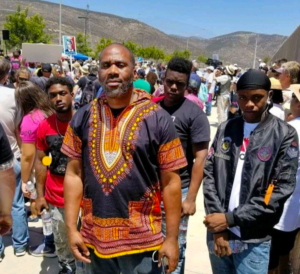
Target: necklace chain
61	135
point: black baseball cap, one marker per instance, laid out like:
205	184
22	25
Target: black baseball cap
46	68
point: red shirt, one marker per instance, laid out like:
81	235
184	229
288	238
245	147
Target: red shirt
50	136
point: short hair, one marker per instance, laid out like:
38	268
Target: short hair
22	70
282	61
293	69
16	54
4	68
93	69
118	44
59	81
181	65
151	77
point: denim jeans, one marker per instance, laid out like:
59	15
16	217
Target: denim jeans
182	234
140	263
252	260
208	105
20	234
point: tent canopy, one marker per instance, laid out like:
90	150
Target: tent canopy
80	56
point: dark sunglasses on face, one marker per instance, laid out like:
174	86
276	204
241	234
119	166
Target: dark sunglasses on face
23	79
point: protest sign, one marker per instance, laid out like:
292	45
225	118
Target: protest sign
69	43
41	53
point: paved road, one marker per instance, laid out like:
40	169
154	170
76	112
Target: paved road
197	261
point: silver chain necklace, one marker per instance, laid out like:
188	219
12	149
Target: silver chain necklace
62	136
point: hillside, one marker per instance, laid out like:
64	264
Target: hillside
235	47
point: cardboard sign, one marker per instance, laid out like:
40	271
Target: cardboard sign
69	43
41	53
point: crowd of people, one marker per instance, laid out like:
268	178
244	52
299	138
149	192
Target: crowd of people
118	149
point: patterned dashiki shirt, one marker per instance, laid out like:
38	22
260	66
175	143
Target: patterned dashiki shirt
122	159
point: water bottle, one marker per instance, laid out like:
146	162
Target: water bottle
47	222
183	230
31	188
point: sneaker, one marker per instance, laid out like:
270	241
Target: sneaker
42	251
20	251
32	220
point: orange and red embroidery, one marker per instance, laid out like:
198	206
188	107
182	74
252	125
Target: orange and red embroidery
112	141
171	155
72	144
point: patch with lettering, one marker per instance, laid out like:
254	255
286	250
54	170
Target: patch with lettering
292	151
222	156
226	143
264	154
210	153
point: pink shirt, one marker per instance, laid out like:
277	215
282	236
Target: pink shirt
195	99
29	126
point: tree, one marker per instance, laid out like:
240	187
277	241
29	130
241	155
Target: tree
103	43
150	53
83	46
132	46
183	54
267	59
25	29
202	59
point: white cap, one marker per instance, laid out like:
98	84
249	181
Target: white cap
210	68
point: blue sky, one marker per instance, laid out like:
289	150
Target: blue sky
204	18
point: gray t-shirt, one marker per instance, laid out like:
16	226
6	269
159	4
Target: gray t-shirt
225	82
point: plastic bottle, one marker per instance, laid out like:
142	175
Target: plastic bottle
47	222
183	229
31	188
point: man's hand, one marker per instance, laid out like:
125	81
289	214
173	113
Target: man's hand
216	222
169	249
78	247
41	203
188	207
25	191
5	224
222	247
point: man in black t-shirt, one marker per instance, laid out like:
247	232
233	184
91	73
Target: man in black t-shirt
193	129
7	184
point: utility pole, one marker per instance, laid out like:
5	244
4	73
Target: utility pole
187	43
60	2
255	53
86	19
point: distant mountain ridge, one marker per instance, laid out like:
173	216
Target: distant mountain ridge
237	47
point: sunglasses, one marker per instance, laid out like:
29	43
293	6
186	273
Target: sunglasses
23	79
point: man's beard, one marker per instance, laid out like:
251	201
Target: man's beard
119	92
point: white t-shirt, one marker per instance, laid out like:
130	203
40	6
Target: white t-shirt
9	117
210	81
212	87
234	201
290	218
278	111
210	78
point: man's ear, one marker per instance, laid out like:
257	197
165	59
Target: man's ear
270	95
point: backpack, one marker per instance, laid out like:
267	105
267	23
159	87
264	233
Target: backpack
203	93
89	92
16	64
